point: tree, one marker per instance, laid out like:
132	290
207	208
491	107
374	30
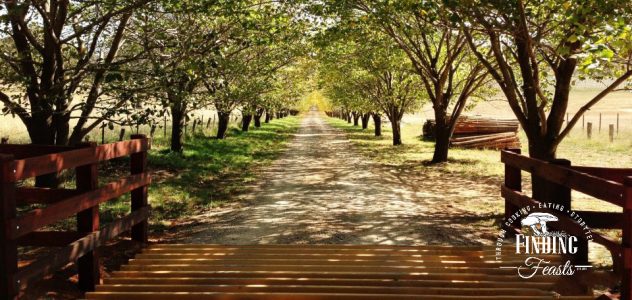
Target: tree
538	49
181	45
54	59
272	41
365	72
437	49
59	55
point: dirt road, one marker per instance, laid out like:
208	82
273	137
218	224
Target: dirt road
322	191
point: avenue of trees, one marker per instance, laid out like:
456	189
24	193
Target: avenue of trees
466	50
68	67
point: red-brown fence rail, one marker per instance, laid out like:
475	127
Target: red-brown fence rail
611	185
20	162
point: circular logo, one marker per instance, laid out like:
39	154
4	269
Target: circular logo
540	247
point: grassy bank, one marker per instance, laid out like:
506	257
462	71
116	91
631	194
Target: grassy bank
597	151
209	172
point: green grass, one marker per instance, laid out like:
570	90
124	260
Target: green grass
208	173
484	166
417	152
597	151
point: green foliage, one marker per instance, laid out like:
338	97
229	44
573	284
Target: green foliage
535	50
362	70
209	172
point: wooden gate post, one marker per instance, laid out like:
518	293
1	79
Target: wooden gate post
626	240
513	180
560	194
8	247
87	222
138	165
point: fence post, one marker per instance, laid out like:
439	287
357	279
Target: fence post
626	240
103	133
122	134
8	248
138	165
561	194
589	130
611	132
599	122
513	180
88	222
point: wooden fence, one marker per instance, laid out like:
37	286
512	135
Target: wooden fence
608	184
20	162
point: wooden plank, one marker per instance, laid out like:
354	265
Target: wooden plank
330	259
612	174
38	218
591	185
333	247
491	270
625	261
602	220
50	238
87	222
512	180
324	262
20	151
77	249
8	246
51	163
460	275
278	296
327	281
484	137
138	165
34	195
484	140
163	288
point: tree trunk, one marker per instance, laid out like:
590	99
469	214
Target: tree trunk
377	122
223	118
442	136
268	117
178	111
365	120
41	133
348	117
245	122
544	150
258	114
397	132
356	117
48	128
442	143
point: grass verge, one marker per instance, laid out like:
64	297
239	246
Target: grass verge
208	173
483	167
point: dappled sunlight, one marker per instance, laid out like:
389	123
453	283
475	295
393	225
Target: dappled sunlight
323	191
